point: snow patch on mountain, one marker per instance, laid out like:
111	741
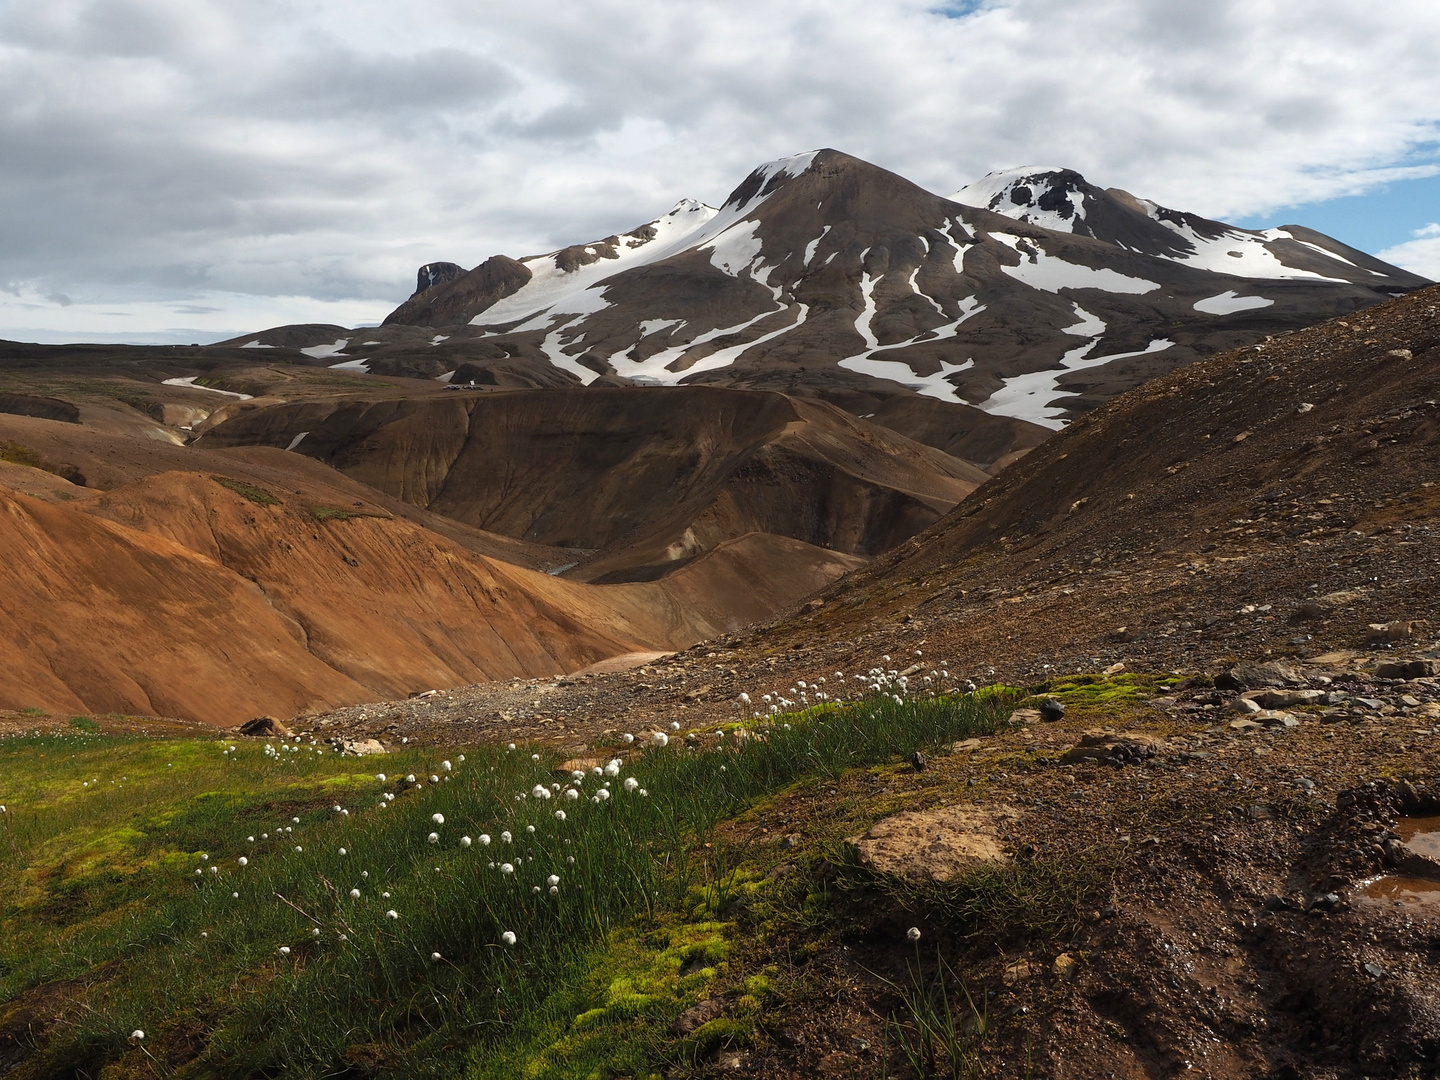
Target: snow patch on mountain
189	380
571	292
657	366
651	326
1237	252
736	249
1227	303
1037	194
1040	270
934	385
813	244
1028	397
555	352
1090	326
324	352
360	364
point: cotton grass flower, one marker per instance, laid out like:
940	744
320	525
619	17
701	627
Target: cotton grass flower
571	793
674	725
631	783
612	767
392	914
434	838
136	1036
284	950
553	879
243	861
913	933
484	839
508	937
507	868
438	819
344	852
464	841
540	791
660	739
505	837
627	738
434	957
446	766
559	815
354	894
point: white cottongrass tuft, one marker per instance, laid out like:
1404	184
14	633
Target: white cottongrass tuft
529	828
284	950
505	837
465	841
380	776
438	819
484	839
507	868
392	914
553	879
559	815
627	738
660	739
344	852
354	894
434	838
135	1036
571	793
446	766
612	767
631	783
540	791
674	725
435	957
913	933
508	937
534	757
243	861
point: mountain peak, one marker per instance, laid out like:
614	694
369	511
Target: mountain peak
1048	196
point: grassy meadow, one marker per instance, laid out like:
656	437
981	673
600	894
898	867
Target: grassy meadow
266	908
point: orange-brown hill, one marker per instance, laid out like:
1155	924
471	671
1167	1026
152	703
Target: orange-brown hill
1280	497
203	597
645	478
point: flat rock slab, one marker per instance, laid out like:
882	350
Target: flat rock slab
936	845
1108	747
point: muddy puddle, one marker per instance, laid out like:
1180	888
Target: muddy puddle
1421	836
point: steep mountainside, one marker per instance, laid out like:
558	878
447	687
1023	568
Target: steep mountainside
639	479
1032	294
1280	498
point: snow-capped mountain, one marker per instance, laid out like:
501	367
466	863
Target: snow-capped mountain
1030	294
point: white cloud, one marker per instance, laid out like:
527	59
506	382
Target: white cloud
189	151
1421	255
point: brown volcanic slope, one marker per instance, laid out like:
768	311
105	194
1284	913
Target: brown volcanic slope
217	601
645	478
1277	498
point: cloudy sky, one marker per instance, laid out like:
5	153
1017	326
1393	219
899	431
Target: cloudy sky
189	169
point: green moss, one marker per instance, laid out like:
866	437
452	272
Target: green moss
17	454
616	1020
1095	694
329	513
257	495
